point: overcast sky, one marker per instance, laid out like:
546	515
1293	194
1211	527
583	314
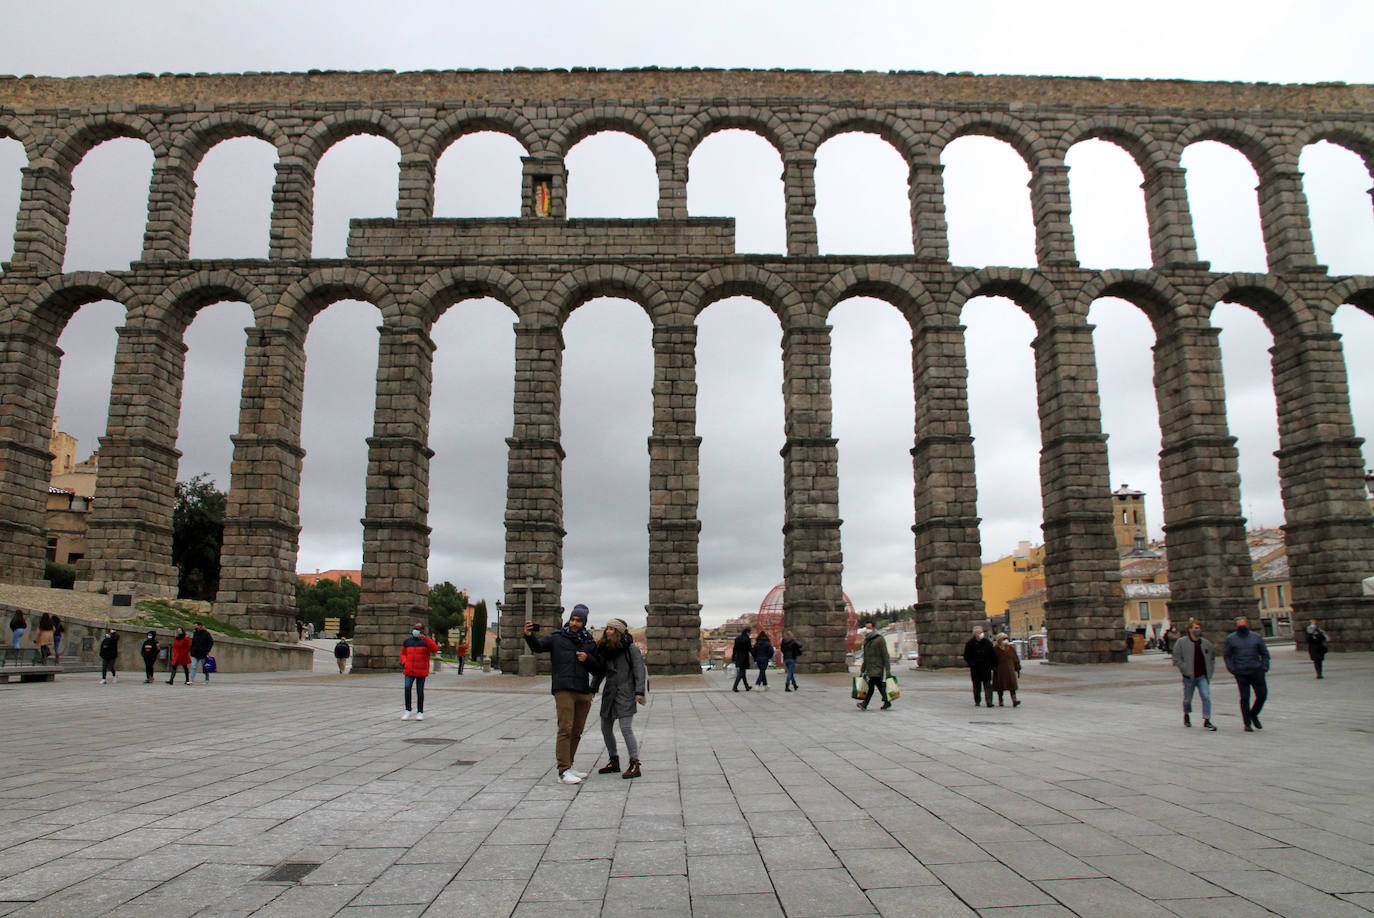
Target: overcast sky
861	209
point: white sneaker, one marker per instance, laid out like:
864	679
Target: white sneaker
102	681
581	775
569	777
419	715
114	678
405	716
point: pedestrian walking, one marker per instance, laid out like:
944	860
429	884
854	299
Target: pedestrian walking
981	660
625	685
743	656
791	649
1247	658
109	655
572	652
341	654
763	655
201	642
415	653
1006	672
181	656
1316	647
1194	658
58	629
43	637
149	650
18	625
300	629
877	666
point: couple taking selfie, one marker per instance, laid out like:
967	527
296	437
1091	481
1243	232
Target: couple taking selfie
580	665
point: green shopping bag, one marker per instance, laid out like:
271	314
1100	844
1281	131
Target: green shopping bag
893	690
860	687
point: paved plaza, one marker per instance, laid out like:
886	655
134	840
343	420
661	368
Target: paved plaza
1091	799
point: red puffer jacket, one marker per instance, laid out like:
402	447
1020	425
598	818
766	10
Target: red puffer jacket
415	655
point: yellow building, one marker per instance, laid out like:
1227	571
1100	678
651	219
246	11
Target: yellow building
71	490
1009	577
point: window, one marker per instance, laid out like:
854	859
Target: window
1264	598
51	554
1279	591
1144	611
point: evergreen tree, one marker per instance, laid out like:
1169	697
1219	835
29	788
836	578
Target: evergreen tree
477	641
197	535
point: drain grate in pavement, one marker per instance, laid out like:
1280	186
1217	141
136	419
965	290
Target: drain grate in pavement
288	872
430	740
508	737
466	762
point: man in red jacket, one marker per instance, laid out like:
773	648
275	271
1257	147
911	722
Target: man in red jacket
415	653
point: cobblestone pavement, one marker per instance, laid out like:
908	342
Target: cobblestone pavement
1091	799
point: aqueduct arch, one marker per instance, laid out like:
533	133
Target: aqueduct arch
412	267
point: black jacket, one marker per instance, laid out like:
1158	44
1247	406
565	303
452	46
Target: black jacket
201	642
569	673
150	648
342	651
109	647
763	651
743	652
791	648
980	656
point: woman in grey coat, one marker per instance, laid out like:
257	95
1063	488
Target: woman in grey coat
625	685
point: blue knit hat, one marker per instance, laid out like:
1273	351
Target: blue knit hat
579	611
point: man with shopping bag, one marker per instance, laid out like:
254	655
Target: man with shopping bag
877	666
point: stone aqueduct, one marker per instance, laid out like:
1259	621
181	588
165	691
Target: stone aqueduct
543	266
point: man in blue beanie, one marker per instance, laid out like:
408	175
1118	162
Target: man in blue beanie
574	658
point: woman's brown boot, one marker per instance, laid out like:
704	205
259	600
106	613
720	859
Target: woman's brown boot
611	767
633	771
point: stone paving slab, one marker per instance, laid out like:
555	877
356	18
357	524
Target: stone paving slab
1091	799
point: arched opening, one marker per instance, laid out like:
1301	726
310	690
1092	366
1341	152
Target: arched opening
862	205
612	174
88	344
607	419
232	217
336	419
357	177
12	163
109	208
1356	328
1224	204
1122	339
1251	411
471	408
479	175
1110	228
737	173
1004	418
1336	183
211	389
740	420
873	402
987	204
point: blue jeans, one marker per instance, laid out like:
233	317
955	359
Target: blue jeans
198	666
18	633
1204	691
741	675
791	671
419	683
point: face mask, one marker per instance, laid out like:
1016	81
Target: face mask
414	632
1243	629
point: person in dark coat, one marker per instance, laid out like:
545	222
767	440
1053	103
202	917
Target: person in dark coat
109	655
1004	674
743	657
201	642
18	625
58	629
181	656
1316	647
149	650
573	654
877	665
416	650
1247	658
341	654
625	687
791	649
763	653
981	660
